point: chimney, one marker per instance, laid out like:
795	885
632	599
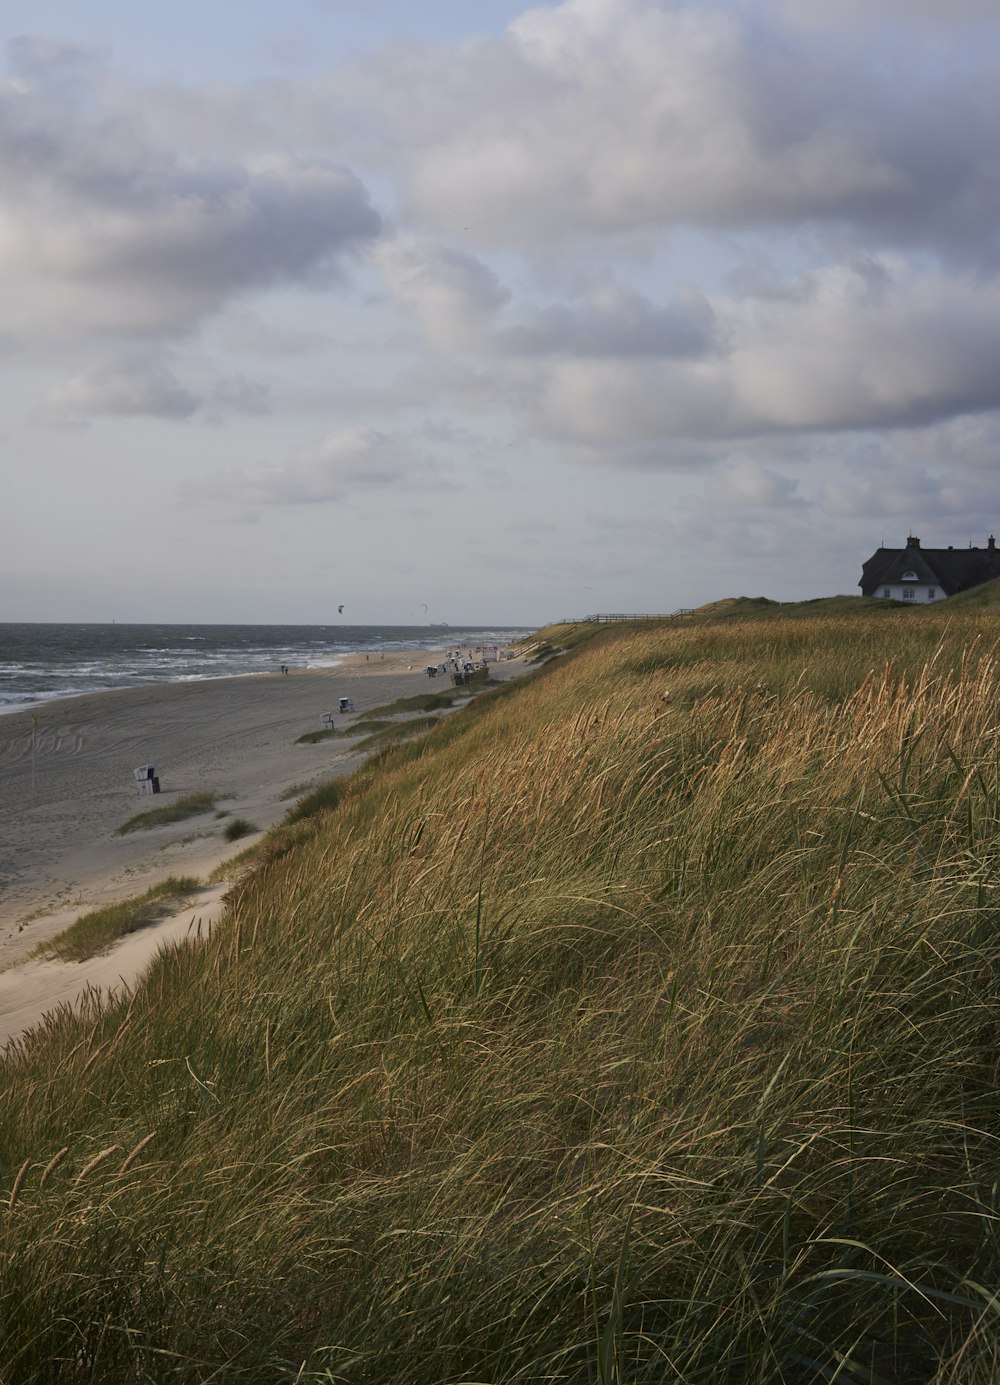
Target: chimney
911	542
991	544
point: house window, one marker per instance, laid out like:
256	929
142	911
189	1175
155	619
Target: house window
931	593
887	592
908	593
909	576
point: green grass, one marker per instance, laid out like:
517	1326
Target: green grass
238	827
101	929
763	608
985	597
187	806
559	639
351	732
239	864
329	733
592	1038
389	732
374	721
422	702
317	800
296	790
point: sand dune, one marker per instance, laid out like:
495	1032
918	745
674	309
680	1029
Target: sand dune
59	855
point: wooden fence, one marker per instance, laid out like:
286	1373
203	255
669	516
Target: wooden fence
606	617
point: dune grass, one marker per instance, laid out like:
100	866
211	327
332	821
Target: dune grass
385	733
594	1038
297	790
985	597
238	827
187	806
422	702
350	732
238	864
374	722
316	800
99	930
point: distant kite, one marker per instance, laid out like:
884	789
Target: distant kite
340	610
422	606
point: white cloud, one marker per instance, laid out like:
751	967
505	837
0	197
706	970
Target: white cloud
610	115
895	491
150	388
639	247
969	444
244	331
618	323
104	229
600	117
452	295
742	484
628	114
130	391
346	462
238	394
877	344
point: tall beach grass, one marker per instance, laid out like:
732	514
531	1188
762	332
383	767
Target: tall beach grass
640	1024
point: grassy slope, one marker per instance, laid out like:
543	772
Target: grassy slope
982	598
595	1037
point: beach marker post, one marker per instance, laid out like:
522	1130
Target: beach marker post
34	739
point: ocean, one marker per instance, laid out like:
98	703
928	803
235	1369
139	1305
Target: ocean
42	662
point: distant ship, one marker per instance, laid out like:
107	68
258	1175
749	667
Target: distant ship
438	625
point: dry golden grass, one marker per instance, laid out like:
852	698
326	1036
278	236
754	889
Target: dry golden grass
594	1037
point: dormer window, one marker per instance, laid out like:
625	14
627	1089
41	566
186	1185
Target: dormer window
909	577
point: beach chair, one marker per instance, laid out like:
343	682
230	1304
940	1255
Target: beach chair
146	781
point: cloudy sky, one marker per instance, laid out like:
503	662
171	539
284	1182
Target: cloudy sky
516	313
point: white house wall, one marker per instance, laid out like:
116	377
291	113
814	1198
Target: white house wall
921	592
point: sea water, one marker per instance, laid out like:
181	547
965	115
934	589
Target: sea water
42	662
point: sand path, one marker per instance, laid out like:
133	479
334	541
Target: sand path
31	989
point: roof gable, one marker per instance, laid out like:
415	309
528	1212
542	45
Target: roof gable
911	560
951	569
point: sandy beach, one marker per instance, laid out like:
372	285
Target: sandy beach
232	737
